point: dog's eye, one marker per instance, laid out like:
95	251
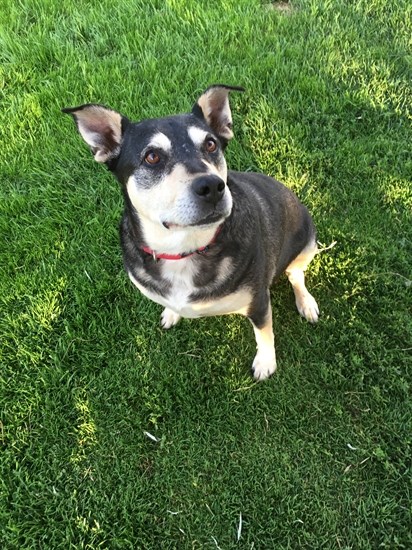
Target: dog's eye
151	158
211	145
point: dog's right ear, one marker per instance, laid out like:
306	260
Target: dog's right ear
101	129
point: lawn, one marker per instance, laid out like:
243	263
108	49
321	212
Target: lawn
115	434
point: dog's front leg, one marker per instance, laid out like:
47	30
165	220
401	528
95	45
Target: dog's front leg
169	318
264	364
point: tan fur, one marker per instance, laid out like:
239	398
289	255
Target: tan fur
305	302
216	110
264	364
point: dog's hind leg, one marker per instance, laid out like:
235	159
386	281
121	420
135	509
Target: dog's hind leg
169	318
305	302
264	364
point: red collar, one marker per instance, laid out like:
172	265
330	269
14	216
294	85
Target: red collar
201	250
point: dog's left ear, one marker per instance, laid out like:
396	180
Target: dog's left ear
213	106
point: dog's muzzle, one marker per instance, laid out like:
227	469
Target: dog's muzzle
209	189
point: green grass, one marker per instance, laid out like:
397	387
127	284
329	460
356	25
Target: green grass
320	455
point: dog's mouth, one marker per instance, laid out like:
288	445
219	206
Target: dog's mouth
170	225
208	220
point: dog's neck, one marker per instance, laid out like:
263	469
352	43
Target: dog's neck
176	240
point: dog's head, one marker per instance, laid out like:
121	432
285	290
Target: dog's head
172	169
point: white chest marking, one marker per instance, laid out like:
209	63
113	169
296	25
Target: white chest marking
180	276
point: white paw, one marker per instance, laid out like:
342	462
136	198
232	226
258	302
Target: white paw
264	365
169	318
308	307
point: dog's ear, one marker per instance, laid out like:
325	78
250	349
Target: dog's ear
101	129
213	106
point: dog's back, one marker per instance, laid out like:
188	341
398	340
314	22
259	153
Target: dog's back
273	226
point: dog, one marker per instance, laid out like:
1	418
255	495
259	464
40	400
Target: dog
196	238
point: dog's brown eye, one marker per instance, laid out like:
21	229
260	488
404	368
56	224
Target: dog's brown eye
211	145
152	158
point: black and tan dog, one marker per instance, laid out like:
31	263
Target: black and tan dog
199	239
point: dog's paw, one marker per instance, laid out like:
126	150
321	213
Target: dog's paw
264	365
169	318
308	307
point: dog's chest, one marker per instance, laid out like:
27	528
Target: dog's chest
179	277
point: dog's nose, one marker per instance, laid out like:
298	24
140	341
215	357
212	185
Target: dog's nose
209	188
